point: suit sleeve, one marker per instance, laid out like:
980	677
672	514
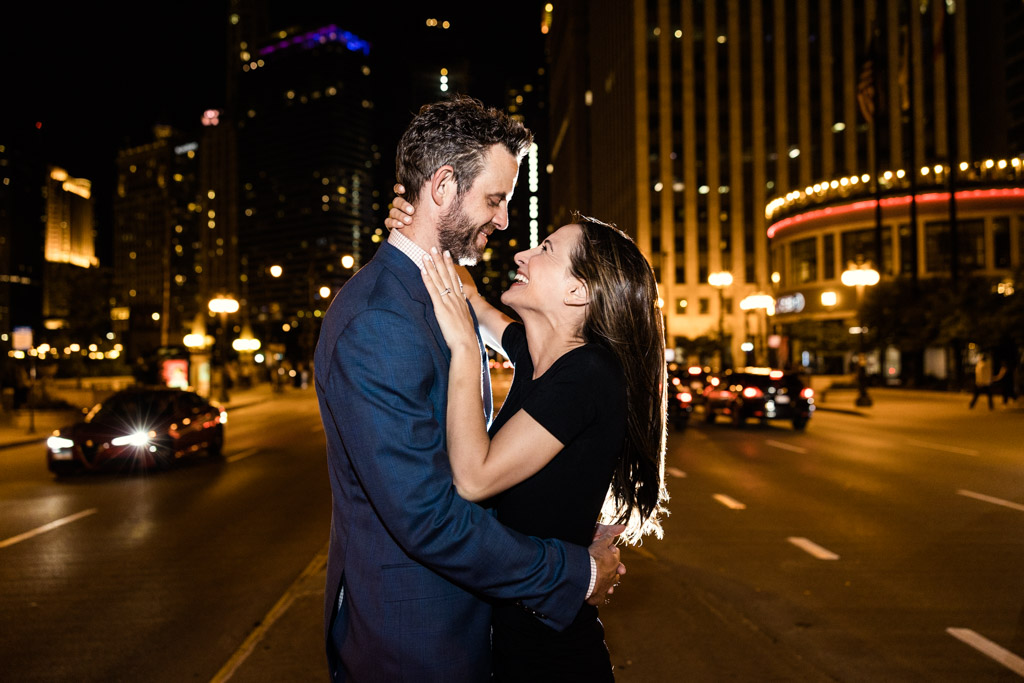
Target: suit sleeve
382	382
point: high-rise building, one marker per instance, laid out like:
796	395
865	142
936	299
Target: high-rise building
307	174
69	246
22	230
698	125
161	243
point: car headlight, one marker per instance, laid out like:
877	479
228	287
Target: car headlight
59	443
134	439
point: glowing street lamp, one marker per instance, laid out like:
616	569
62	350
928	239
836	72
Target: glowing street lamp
720	280
222	305
759	302
861	276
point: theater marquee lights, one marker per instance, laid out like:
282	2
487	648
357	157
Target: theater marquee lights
979	199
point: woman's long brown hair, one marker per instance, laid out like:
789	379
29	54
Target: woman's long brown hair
623	315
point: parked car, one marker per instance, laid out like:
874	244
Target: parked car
138	429
680	403
762	393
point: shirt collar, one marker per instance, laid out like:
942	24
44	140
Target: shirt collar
407	247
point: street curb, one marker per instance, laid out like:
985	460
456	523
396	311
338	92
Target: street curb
845	411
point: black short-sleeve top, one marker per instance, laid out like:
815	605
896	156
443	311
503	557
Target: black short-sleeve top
581	401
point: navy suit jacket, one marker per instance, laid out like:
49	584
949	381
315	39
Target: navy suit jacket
412	561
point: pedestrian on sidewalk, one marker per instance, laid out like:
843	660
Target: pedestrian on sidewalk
982	380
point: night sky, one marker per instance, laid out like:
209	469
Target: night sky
96	77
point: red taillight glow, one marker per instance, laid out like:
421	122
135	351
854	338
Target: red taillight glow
807	393
775	374
684	396
752	392
694	370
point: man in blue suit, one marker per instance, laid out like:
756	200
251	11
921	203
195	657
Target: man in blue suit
411	565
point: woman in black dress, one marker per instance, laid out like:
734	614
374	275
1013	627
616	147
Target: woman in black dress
580	437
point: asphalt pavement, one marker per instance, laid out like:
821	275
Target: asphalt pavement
287	644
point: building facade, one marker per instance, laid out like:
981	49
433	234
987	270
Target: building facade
307	173
158	252
708	111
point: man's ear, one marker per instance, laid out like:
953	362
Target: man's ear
442	185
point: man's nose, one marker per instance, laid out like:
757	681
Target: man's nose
500	219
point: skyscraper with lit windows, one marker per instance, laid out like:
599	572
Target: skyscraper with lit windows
307	163
698	125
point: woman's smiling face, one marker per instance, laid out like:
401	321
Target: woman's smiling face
543	276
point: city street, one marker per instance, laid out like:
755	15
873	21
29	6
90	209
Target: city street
846	553
887	545
162	576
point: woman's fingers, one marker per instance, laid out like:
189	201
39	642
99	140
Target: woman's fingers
437	276
444	269
430	281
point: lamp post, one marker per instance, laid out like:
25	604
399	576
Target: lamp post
720	280
762	302
861	276
222	305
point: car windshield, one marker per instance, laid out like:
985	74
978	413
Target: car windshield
132	408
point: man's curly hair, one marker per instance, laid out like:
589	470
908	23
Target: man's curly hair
456	132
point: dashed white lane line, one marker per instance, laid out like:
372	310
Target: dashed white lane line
786	446
944	447
728	502
242	454
675	472
991	499
989	649
812	548
47	527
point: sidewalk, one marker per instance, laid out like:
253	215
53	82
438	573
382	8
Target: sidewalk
887	399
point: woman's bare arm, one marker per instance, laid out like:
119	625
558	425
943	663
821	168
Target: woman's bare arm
481	467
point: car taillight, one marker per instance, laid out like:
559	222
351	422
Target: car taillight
676	381
752	392
807	393
714	381
684	396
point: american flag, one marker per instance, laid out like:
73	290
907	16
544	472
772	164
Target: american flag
866	87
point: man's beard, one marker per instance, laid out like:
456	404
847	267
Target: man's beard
457	233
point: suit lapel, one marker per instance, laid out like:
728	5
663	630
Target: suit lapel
409	274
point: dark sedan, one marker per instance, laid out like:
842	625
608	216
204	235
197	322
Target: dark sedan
762	393
138	429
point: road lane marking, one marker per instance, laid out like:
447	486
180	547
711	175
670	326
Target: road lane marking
728	502
298	589
812	548
989	649
991	499
675	472
243	454
943	447
47	527
786	446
